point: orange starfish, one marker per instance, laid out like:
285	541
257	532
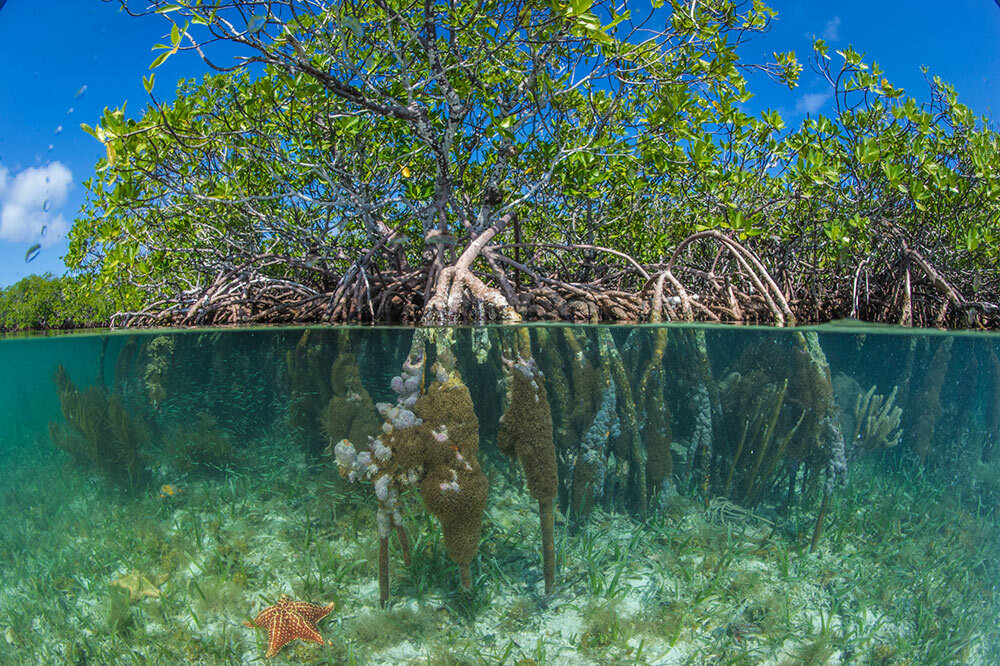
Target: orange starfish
287	620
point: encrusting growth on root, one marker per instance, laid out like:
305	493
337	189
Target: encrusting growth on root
430	440
454	487
526	433
390	461
643	355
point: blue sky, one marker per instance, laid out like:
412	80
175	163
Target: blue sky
65	60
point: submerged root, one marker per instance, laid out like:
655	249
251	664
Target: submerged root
383	571
526	433
632	449
547	518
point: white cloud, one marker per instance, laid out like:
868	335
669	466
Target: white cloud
30	203
811	103
831	31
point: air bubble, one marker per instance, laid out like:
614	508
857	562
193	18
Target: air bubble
47	205
32	252
44	229
80	92
58	130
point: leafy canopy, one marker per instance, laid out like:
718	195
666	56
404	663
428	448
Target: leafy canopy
379	131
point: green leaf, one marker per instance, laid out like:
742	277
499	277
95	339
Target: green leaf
160	59
971	240
893	172
868	151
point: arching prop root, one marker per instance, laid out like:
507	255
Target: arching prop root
447	303
558	281
951	299
751	267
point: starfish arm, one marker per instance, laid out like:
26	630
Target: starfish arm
304	629
310	612
286	628
274	645
265	617
287	620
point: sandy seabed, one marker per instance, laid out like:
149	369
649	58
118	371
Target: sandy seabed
905	574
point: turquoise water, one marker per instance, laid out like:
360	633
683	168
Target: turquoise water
545	494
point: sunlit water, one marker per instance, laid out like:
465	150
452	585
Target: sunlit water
159	490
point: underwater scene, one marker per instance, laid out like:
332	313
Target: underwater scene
519	495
